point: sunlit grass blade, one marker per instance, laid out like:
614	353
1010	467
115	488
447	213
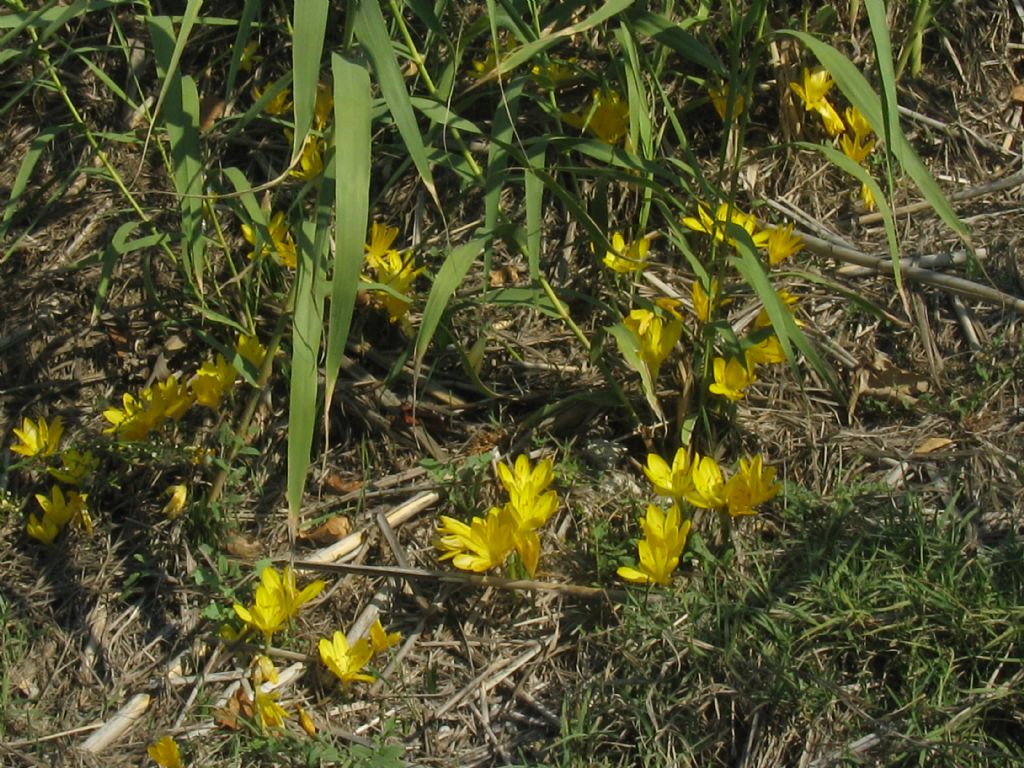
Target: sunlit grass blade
307	322
242	36
352	155
310	26
502	133
534	193
749	265
167	63
673	35
860	93
28	163
523	54
449	278
181	116
372	33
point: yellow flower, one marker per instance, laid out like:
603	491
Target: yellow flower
813	91
788	300
346	661
720	101
664	541
59	510
171	398
867	197
76	466
276	601
268	711
213	380
306	722
732	377
176	503
717	227
281	104
854	149
708	490
658	337
38	439
249	57
554	74
751	486
483	67
479	546
324	106
380	640
137	418
768	351
704	304
311	161
607	118
782	244
397	273
857	123
165	753
626	257
381	238
44	530
251	350
674	481
281	243
524	481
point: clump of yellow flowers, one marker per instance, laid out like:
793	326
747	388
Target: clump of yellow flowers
692	482
485	542
394	270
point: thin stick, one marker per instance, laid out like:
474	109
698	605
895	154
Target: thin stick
466	579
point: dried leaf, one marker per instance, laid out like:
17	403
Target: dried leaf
1017	94
332	530
932	444
339	485
242	547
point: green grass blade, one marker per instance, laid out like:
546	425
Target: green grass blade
673	35
534	193
28	164
241	40
352	156
857	89
749	265
181	116
168	64
886	71
373	35
448	279
502	133
310	26
302	402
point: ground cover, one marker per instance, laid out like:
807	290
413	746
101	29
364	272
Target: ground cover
511	384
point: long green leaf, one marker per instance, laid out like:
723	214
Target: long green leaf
372	33
302	402
352	137
310	26
448	279
181	116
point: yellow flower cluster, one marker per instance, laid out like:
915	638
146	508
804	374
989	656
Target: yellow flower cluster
276	601
277	242
657	336
39	440
393	269
347	661
170	399
813	93
778	242
58	511
857	144
699	483
607	118
487	541
626	257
